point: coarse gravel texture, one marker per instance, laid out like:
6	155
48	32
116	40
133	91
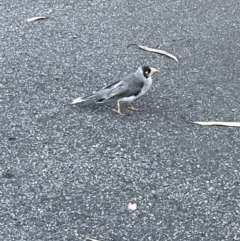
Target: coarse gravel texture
69	172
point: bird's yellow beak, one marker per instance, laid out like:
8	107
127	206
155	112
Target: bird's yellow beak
155	70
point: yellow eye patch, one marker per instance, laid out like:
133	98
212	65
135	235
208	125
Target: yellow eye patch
146	72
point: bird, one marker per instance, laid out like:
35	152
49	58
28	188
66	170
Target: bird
127	89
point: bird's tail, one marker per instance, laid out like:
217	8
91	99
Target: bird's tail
82	99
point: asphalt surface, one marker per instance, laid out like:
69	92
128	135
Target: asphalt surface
69	172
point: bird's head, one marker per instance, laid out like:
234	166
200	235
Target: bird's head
147	71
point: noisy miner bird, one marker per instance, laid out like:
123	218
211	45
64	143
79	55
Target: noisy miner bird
128	89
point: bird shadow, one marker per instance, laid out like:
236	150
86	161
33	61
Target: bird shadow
106	107
92	107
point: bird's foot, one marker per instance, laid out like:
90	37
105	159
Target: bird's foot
119	112
132	107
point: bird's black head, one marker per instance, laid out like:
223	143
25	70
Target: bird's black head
146	71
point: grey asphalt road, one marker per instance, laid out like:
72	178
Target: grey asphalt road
69	172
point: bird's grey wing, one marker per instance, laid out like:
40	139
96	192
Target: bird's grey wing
110	90
111	85
131	86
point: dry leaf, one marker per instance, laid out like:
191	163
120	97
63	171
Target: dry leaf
217	123
35	19
132	206
92	239
159	51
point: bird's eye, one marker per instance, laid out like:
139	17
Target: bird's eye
146	72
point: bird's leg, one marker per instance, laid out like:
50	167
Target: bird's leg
132	107
118	109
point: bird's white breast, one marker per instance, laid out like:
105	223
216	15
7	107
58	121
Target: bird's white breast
146	86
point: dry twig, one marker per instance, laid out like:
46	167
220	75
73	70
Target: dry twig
159	51
36	18
218	123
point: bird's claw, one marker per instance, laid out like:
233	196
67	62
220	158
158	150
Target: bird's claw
132	107
119	112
